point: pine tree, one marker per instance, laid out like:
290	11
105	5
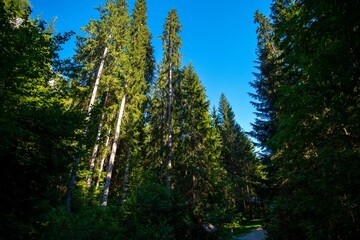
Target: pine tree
237	155
92	52
131	142
119	20
316	143
37	122
266	82
168	70
197	167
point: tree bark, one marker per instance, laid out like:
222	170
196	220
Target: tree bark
96	85
94	153
102	161
71	184
105	196
95	149
126	179
193	189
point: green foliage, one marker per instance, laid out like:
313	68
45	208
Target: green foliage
162	104
37	124
148	212
267	81
315	147
172	40
193	149
238	158
47	123
91	223
241	227
20	7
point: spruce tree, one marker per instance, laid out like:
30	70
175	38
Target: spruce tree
164	93
197	172
119	20
38	122
238	156
92	51
316	150
142	68
266	82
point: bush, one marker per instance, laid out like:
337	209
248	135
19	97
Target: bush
94	223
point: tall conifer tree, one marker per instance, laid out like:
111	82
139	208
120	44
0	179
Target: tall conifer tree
266	83
37	121
92	51
142	69
169	68
316	147
237	155
197	172
121	73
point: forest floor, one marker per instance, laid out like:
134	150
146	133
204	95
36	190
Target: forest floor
256	234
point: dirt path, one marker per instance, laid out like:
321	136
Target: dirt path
257	234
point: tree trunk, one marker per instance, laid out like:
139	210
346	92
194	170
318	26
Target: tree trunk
71	184
248	197
95	149
193	189
96	85
126	178
169	142
113	153
94	153
102	161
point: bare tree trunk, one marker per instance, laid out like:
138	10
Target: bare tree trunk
102	161
95	149
248	197
71	184
94	153
126	178
96	85
169	142
105	196
193	189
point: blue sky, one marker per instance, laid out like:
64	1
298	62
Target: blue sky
218	37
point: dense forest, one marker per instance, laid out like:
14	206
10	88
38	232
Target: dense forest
111	144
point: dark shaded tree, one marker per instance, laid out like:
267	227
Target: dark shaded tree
38	123
316	144
237	155
162	106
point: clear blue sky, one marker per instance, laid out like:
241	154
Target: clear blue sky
218	37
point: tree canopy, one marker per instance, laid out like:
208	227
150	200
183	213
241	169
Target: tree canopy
111	144
308	100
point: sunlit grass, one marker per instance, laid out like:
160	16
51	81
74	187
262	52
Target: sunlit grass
245	227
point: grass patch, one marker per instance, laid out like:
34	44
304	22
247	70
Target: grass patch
239	229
